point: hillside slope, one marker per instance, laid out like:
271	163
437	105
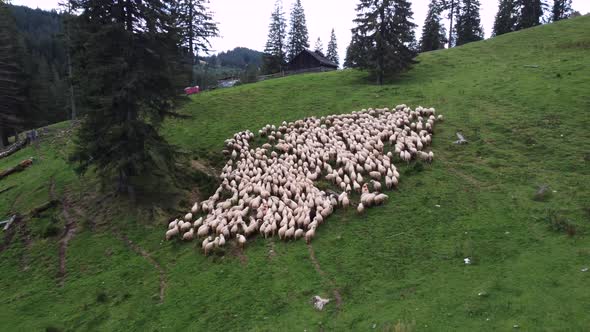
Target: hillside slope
520	99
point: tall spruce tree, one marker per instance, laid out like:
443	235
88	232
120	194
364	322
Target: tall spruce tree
332	52
13	97
433	32
126	60
383	39
469	23
531	12
275	57
319	46
298	35
67	19
452	6
562	9
506	18
197	27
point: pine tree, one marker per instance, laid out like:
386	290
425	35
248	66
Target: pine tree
196	25
531	12
67	19
506	18
13	97
298	35
126	60
468	23
319	46
453	7
275	51
332	53
433	32
383	39
358	50
562	9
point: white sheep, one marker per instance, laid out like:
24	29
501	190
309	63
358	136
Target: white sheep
189	236
172	233
272	190
241	240
361	208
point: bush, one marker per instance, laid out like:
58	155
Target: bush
101	297
543	194
50	230
559	223
52	329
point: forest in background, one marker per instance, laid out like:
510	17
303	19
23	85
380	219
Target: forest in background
44	64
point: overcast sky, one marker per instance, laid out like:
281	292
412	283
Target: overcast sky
245	23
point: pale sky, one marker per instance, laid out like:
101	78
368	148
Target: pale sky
245	23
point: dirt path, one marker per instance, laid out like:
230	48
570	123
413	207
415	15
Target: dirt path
319	270
207	169
239	252
69	232
51	188
37	146
271	251
140	251
25	235
8	235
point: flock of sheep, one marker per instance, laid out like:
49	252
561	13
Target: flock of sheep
271	190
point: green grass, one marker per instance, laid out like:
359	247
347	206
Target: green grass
398	264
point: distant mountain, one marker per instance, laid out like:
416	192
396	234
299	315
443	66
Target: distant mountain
239	57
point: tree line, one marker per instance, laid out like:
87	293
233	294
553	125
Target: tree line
383	40
34	63
282	45
465	23
126	61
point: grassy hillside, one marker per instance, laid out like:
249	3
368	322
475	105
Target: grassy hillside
520	99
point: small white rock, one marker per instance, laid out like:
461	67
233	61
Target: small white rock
467	261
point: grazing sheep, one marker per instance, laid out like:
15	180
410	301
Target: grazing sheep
298	233
208	247
273	189
376	185
380	199
198	223
309	235
173	224
172	233
361	208
241	240
189	236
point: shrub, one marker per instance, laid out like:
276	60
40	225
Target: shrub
559	223
101	297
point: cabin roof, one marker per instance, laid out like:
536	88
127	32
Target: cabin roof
319	57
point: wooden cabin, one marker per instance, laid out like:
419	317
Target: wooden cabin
309	61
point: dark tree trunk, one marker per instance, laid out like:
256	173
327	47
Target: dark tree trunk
70	76
451	24
380	48
3	137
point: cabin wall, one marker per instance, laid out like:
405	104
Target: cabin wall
304	61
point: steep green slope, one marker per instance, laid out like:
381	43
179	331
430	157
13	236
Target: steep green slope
522	102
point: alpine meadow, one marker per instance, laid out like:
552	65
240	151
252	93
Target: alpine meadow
490	235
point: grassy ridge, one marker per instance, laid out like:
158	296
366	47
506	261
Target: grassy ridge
522	101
